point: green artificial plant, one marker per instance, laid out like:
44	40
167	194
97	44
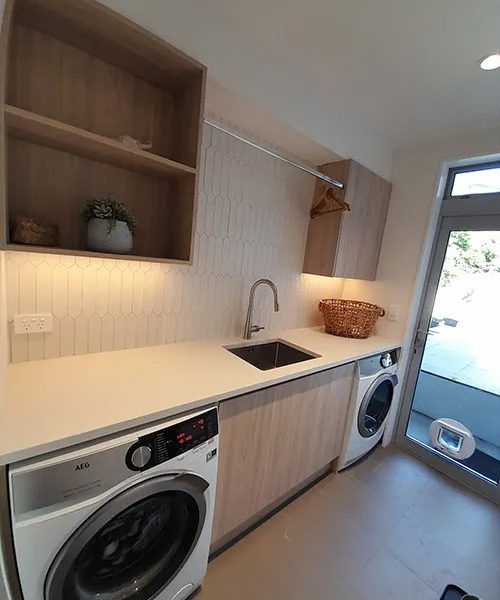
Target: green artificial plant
111	210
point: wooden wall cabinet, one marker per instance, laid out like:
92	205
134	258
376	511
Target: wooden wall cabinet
273	440
347	244
76	76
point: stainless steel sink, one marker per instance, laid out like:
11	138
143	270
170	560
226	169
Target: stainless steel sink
270	355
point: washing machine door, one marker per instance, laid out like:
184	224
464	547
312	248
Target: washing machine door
133	546
376	405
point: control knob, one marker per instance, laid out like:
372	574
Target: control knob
386	360
140	456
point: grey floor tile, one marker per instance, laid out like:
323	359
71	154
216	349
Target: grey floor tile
397	479
457	516
386	578
425	555
389	529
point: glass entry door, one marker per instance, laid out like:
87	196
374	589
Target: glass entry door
451	406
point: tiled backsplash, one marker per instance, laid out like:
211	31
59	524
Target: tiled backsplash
252	222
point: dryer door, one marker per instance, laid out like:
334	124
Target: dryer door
376	405
134	545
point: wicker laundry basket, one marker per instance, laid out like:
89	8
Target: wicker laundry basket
350	318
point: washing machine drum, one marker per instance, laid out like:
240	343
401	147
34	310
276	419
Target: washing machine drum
134	545
376	405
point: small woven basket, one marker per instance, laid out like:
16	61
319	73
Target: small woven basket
36	232
350	318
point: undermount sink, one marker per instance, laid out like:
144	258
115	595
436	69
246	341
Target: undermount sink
270	355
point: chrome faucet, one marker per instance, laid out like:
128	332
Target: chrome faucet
249	328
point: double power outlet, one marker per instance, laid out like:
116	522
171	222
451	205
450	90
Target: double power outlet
39	323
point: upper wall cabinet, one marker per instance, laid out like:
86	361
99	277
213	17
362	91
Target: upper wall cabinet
347	243
83	87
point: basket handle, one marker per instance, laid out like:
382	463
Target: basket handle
382	312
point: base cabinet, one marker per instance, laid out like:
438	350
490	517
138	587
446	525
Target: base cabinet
273	440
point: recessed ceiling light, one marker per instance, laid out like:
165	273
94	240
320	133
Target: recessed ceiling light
490	62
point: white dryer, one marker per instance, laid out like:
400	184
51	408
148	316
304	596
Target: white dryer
129	518
371	400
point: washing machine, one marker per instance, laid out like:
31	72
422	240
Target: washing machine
128	518
371	400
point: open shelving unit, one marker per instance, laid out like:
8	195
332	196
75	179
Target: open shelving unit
76	77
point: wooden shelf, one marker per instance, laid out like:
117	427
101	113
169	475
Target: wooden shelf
81	252
29	126
74	75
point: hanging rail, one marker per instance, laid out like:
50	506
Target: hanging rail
310	170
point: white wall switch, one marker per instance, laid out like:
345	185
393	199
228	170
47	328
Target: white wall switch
394	313
32	323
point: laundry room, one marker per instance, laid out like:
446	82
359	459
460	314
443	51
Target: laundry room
249	271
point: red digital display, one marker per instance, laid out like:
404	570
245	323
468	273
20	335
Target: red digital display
188	433
180	438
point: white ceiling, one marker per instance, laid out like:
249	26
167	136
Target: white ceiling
359	77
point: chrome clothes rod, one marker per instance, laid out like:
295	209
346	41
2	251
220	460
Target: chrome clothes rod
313	172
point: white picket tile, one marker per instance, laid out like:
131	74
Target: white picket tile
119	333
107	333
102	291
18	345
115	292
27	288
81	335
75	291
36	346
67	336
95	333
89	290
252	222
60	291
52	341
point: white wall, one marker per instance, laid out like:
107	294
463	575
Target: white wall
417	172
252	222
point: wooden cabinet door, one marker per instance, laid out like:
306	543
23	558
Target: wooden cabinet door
362	228
347	244
274	439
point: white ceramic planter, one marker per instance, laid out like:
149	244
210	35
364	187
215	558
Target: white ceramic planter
117	241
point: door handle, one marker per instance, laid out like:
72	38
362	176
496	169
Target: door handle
427	332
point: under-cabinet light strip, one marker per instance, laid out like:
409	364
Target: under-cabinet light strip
310	170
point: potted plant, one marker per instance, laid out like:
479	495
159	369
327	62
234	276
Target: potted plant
110	226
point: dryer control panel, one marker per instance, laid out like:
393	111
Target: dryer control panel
155	448
378	363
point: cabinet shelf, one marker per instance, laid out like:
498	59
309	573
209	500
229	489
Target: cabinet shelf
81	252
77	75
29	126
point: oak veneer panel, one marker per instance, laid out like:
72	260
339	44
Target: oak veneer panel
347	244
64	83
274	439
4	69
32	127
54	185
102	32
363	227
323	234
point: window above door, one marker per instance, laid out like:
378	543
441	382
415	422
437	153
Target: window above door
473	180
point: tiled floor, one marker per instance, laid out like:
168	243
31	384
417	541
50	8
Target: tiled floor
390	528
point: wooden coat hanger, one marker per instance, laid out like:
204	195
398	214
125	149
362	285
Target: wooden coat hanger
329	203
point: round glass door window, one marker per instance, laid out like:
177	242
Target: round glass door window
375	407
133	554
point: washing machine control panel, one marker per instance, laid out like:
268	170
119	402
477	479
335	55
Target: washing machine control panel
155	448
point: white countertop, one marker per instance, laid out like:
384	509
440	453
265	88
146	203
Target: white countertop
52	404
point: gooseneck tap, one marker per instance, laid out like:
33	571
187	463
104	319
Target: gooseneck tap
249	328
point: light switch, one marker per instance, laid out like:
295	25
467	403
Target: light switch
394	313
